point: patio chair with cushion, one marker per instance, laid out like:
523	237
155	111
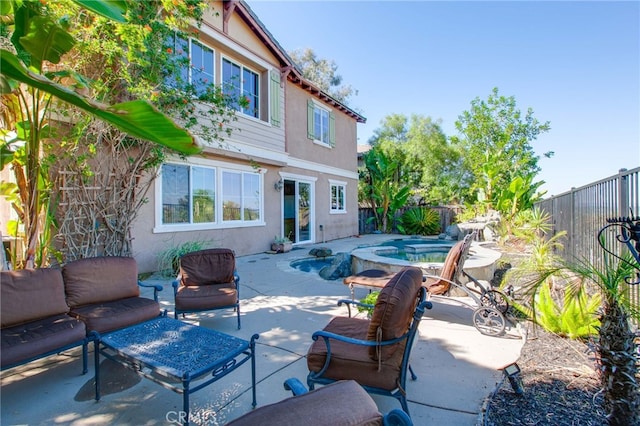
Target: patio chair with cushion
375	353
344	403
208	280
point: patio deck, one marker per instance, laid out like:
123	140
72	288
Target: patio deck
457	367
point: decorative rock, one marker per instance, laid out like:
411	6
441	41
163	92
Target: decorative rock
340	267
320	252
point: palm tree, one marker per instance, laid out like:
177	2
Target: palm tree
614	345
382	187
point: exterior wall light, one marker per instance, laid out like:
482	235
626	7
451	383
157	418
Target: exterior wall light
278	185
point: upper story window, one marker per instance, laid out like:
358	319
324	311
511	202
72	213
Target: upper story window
240	81
195	64
337	192
320	124
189	195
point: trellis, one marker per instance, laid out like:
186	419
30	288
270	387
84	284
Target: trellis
99	199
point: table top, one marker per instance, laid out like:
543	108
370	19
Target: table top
174	347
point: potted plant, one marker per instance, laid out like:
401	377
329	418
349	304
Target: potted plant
281	244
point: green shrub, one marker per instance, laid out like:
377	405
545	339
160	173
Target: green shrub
577	317
419	221
169	259
370	299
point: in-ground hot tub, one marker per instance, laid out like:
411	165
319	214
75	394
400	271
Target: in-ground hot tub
395	254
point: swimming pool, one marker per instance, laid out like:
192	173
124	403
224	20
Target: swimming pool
386	256
417	250
311	264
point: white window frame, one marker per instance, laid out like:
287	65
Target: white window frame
218	223
189	42
243	197
323	111
338	185
257	101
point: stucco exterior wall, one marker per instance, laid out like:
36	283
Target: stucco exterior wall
343	155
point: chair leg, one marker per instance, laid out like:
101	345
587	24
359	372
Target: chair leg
238	312
85	356
413	375
405	406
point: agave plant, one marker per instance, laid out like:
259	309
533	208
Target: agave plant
419	221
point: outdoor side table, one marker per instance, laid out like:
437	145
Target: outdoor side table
168	351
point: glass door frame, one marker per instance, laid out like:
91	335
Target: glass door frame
298	179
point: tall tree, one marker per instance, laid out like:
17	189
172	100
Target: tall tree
496	139
381	187
322	72
430	165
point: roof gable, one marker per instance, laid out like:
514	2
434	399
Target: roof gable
288	68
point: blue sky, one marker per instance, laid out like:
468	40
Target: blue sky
576	64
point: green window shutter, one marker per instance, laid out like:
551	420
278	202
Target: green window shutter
332	129
276	112
310	131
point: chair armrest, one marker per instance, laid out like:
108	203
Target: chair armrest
397	417
326	335
295	386
350	302
156	288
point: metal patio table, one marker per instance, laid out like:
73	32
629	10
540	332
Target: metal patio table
168	351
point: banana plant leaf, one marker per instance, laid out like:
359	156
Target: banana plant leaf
137	118
114	9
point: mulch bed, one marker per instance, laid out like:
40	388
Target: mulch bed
560	382
561	385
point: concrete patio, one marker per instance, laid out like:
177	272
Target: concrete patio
457	367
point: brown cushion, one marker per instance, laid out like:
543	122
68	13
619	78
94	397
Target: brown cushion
36	338
204	267
393	310
438	286
338	404
206	296
109	316
31	294
349	361
100	279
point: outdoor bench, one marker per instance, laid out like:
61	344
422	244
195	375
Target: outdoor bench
49	310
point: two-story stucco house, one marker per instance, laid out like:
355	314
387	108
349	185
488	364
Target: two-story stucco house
290	168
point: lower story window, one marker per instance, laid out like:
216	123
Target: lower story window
189	195
241	196
338	191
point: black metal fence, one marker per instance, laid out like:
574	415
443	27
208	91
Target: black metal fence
582	212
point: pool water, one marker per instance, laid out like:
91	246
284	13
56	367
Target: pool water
418	250
314	264
402	244
432	256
